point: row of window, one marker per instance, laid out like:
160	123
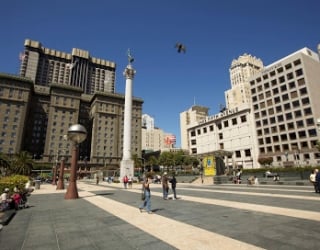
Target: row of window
285	127
285	147
285	137
278	70
280	118
226	123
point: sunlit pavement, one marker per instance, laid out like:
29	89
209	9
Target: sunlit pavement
106	216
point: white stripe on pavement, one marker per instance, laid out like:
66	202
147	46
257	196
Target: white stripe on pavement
193	237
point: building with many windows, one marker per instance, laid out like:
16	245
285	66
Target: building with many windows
188	119
46	66
279	121
286	106
40	105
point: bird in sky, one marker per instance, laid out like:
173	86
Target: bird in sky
180	47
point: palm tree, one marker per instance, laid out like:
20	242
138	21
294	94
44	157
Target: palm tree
4	164
22	163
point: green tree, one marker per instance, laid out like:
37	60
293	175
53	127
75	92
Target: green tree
4	164
265	160
22	163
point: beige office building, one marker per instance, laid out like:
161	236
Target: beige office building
286	106
280	120
190	118
240	71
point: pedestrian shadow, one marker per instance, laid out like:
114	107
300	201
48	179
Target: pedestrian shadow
103	194
157	209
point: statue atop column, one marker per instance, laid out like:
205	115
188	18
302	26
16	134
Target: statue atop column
130	57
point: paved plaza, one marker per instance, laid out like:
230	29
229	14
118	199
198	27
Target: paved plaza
106	216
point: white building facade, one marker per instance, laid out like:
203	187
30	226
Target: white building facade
278	121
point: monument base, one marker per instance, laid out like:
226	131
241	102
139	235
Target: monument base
220	179
126	168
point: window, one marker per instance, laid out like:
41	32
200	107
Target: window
275	91
289	116
290	125
307	111
297	113
282	79
295	104
234	121
280	118
285	97
292	85
275	138
299	72
297	62
247	152
305	101
301	82
303	91
299	124
294	94
302	134
225	124
288	66
286	106
243	118
220	136
290	76
238	154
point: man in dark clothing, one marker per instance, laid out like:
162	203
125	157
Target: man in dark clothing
165	186
173	182
318	180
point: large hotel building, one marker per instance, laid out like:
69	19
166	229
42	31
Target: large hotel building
56	90
271	111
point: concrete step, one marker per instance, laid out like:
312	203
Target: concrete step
6	216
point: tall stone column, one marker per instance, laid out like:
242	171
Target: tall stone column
127	164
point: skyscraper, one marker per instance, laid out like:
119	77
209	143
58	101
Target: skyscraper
47	66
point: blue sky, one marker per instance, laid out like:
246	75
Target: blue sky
214	33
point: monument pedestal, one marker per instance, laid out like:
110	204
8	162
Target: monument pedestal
126	168
220	179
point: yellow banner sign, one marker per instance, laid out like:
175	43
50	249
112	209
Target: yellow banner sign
209	166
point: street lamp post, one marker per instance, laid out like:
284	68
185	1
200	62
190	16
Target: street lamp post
77	134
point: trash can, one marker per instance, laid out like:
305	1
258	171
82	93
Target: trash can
37	184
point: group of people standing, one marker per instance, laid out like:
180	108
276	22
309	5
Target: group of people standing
146	194
315	180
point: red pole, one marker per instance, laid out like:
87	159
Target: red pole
72	191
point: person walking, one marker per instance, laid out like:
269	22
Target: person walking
313	180
146	204
97	180
165	186
173	182
125	181
130	181
318	180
